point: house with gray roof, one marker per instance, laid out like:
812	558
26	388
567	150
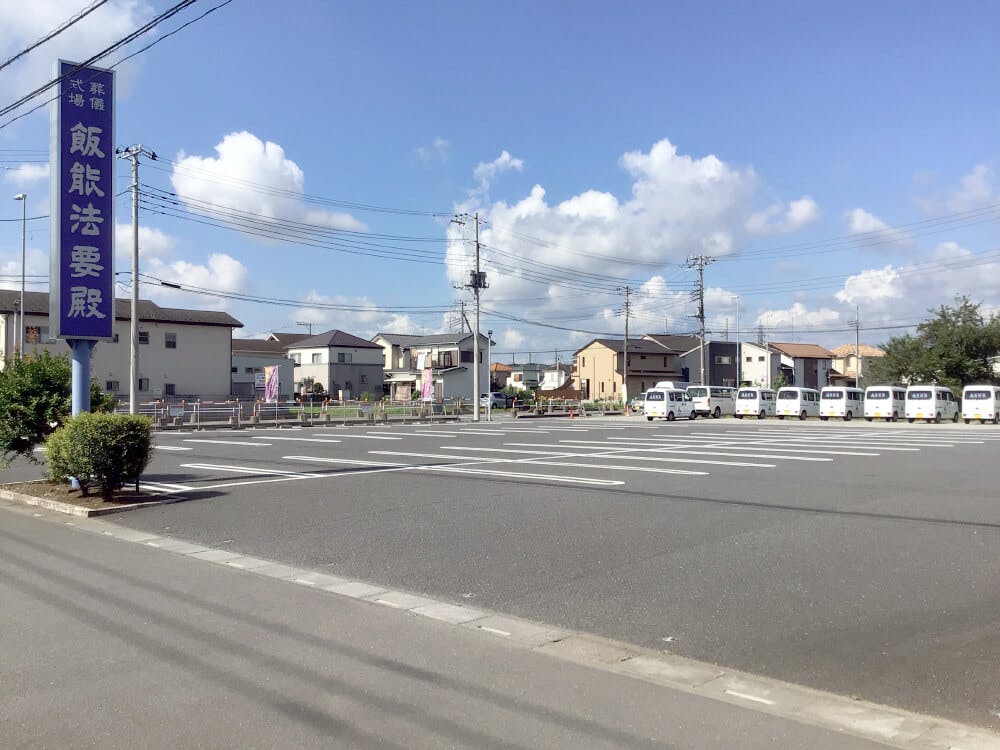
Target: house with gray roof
251	356
346	366
446	358
182	353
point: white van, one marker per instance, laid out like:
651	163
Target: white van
714	400
930	402
668	404
841	401
754	402
884	402
981	402
797	402
677	385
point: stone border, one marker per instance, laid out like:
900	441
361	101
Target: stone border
77	510
893	727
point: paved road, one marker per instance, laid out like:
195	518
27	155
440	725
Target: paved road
860	559
107	644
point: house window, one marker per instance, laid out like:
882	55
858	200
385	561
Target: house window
446	360
170	340
760	359
143	384
235	370
249	370
364	378
583	361
37	335
464	356
317	358
168	389
722	359
143	337
664	361
344	357
602	386
517	377
111	386
297	358
749	359
480	357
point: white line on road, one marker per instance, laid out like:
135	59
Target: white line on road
226	442
299	439
171	448
654	449
521	475
547	455
249	470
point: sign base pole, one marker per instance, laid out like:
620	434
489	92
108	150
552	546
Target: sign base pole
80	400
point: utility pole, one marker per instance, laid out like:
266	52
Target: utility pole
699	262
739	342
627	312
477	282
857	346
23	197
308	325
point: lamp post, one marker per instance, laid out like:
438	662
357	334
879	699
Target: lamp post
489	375
23	197
739	342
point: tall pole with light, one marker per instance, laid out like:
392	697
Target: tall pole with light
739	343
489	370
23	197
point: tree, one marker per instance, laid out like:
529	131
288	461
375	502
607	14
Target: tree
35	398
954	347
305	385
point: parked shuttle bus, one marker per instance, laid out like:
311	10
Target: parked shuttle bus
714	401
981	402
754	402
841	401
797	402
884	402
668	404
930	402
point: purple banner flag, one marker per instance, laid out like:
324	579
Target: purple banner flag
82	264
271	384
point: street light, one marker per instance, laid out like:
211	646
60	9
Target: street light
739	342
23	197
489	376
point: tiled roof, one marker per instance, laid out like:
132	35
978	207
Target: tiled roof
333	338
849	350
674	342
258	346
635	346
802	351
37	303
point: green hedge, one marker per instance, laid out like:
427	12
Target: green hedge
100	450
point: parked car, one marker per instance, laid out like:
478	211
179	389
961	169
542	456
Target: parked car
496	400
636	403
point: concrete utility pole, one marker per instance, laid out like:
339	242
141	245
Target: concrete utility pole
306	324
627	312
477	282
857	346
739	343
23	197
699	262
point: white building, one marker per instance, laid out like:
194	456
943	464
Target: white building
347	366
555	376
182	353
803	365
448	356
251	356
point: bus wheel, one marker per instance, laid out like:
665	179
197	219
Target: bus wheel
738	416
967	421
868	419
670	416
693	415
911	420
802	415
781	417
717	413
823	419
996	418
761	415
895	417
849	416
937	418
649	419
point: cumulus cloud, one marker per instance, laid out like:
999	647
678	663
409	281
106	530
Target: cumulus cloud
365	319
486	172
975	190
779	218
26	174
243	158
153	243
798	316
512	338
438	150
36	264
23	23
220	272
870	230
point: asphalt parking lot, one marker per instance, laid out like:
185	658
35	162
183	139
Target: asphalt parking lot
858	558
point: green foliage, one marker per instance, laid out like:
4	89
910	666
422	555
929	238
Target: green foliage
102	450
101	401
779	382
952	348
317	389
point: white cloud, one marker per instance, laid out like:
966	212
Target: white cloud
798	316
874	232
21	24
486	172
26	174
36	264
243	158
364	320
975	190
438	150
221	272
153	243
781	219
512	338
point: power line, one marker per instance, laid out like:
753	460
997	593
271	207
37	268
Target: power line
55	32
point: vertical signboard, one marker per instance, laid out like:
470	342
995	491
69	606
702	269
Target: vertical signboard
82	257
271	384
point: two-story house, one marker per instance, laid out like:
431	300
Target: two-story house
804	365
182	353
251	356
527	376
845	362
346	366
447	358
599	369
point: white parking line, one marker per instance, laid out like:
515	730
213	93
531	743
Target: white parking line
171	448
737	445
227	442
367	437
250	470
299	439
653	449
621	453
521	475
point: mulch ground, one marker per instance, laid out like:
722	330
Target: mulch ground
62	493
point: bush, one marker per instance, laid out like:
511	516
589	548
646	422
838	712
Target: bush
102	450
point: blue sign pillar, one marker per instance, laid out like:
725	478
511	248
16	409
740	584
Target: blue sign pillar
82	256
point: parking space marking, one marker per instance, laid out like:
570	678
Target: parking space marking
689	452
368	437
250	470
673	445
621	453
299	439
522	475
171	448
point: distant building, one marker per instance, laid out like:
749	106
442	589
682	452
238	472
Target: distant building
845	362
599	367
499	372
804	365
251	356
720	363
182	353
527	376
447	356
555	376
346	366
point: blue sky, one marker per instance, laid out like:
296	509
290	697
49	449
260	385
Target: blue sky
832	157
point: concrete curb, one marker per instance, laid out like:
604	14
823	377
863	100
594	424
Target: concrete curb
77	510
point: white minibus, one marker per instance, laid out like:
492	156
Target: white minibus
714	400
930	402
754	402
668	404
981	402
679	385
841	401
797	402
884	402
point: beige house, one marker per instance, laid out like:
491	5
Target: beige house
599	367
346	366
845	362
182	353
448	356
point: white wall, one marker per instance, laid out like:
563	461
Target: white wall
243	381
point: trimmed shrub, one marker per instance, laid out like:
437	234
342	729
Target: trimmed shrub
100	450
